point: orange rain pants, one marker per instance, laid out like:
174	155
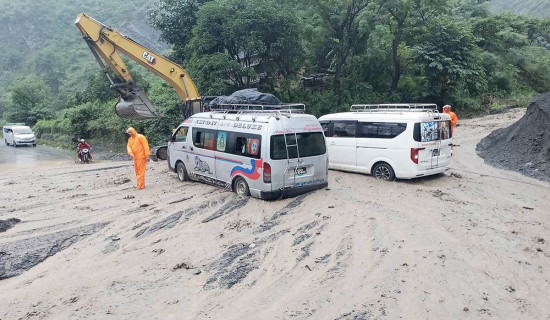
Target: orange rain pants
139	148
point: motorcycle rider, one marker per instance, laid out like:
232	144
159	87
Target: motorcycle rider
82	144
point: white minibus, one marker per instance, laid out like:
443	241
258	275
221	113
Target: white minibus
268	152
389	141
17	134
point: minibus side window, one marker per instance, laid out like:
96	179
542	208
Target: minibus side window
384	130
205	139
243	144
344	128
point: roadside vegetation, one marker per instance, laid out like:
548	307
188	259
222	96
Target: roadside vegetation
327	54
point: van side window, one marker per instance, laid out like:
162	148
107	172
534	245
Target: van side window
180	135
344	128
204	138
383	130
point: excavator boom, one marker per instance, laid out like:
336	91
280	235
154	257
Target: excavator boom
106	45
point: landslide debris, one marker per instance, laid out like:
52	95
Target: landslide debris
525	145
19	256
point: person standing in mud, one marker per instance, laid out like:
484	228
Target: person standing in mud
138	149
454	118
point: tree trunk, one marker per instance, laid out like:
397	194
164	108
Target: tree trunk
396	61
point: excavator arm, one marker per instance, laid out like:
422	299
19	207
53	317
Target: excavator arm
106	45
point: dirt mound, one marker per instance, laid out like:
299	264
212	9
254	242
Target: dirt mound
525	145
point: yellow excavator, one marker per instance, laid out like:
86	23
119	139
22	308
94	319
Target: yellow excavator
106	45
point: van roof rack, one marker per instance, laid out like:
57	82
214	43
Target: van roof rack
432	107
257	108
15	124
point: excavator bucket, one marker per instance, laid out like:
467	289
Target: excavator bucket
136	106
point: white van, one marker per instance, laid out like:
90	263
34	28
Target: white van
268	152
389	141
18	134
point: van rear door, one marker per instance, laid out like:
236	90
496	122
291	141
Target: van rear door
434	150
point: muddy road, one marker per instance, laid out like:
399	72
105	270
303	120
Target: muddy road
80	242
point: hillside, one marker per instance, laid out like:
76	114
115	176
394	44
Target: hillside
535	8
35	32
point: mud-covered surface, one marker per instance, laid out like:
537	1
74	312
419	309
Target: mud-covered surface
80	242
525	145
19	256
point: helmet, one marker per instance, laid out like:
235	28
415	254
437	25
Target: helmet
446	107
82	140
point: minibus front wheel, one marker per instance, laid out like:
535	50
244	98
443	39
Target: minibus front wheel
182	172
241	187
383	171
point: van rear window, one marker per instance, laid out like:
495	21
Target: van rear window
432	131
309	144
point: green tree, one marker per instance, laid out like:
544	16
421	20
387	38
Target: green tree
29	101
176	19
341	29
245	40
451	61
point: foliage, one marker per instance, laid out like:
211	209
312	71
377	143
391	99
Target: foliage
29	101
243	40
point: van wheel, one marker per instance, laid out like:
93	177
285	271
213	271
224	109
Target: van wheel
6	142
241	187
182	172
383	171
14	143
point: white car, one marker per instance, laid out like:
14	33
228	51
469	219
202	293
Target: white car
18	134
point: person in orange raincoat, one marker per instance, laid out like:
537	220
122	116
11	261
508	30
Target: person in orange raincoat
454	118
138	148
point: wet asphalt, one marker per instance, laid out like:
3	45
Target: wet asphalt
26	154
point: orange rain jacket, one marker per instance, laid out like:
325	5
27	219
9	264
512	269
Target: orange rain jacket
139	147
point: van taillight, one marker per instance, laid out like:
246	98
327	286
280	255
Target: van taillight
414	154
267	173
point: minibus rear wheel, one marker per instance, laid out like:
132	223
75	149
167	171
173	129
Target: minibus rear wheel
241	187
383	171
182	172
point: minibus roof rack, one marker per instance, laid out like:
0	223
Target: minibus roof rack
14	124
255	108
431	107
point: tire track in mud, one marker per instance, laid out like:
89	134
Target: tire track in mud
239	260
235	203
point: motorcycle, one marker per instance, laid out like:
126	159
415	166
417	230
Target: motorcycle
85	155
